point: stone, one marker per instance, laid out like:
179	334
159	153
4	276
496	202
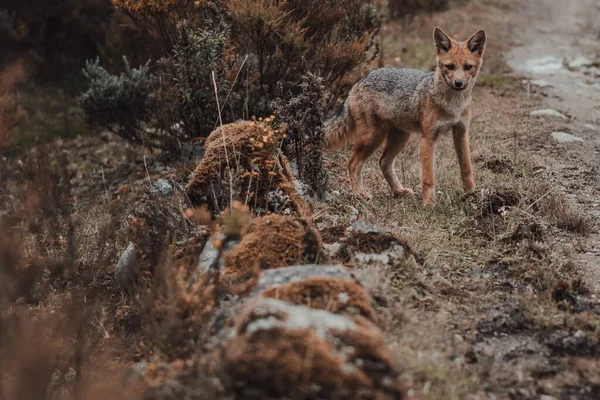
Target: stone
267	353
548	112
209	256
126	269
365	243
541	83
579	62
327	287
283	276
563	137
366	227
543	65
162	187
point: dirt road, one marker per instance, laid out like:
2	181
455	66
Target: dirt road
557	46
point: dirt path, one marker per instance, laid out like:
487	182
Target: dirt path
558	47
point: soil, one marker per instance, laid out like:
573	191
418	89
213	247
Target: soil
556	32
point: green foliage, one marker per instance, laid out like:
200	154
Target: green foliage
173	104
121	103
302	115
196	55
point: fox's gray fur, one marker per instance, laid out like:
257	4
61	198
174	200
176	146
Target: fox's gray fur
395	95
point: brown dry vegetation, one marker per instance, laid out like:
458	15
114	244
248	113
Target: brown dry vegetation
493	306
243	162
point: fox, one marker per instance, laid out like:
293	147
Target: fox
389	104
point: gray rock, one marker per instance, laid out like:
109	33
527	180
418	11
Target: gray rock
208	256
563	137
366	227
277	314
286	275
589	127
543	65
548	112
126	269
579	62
162	187
540	83
396	252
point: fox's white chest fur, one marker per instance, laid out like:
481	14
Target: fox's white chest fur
453	108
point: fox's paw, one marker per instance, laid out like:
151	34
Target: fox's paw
403	192
429	197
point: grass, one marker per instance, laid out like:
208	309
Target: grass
499	245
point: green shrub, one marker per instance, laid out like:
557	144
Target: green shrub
171	105
122	103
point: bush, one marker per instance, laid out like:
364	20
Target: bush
122	103
173	104
290	38
196	55
302	116
263	43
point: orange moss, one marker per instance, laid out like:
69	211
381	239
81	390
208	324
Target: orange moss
271	241
325	293
242	161
313	359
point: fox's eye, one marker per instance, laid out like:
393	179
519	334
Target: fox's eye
450	67
468	67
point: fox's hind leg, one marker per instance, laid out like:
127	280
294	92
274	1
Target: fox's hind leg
367	141
394	143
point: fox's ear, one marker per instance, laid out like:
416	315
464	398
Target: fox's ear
441	40
476	44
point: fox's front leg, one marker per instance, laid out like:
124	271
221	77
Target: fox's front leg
427	167
460	134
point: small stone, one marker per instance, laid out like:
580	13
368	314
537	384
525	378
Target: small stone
589	127
210	253
332	248
366	227
548	113
125	270
540	83
162	187
563	137
579	62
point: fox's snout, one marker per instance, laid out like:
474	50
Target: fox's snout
458	84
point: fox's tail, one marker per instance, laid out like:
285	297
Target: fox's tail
338	128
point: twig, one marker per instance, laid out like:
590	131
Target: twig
538	200
147	172
104	183
224	141
231	89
